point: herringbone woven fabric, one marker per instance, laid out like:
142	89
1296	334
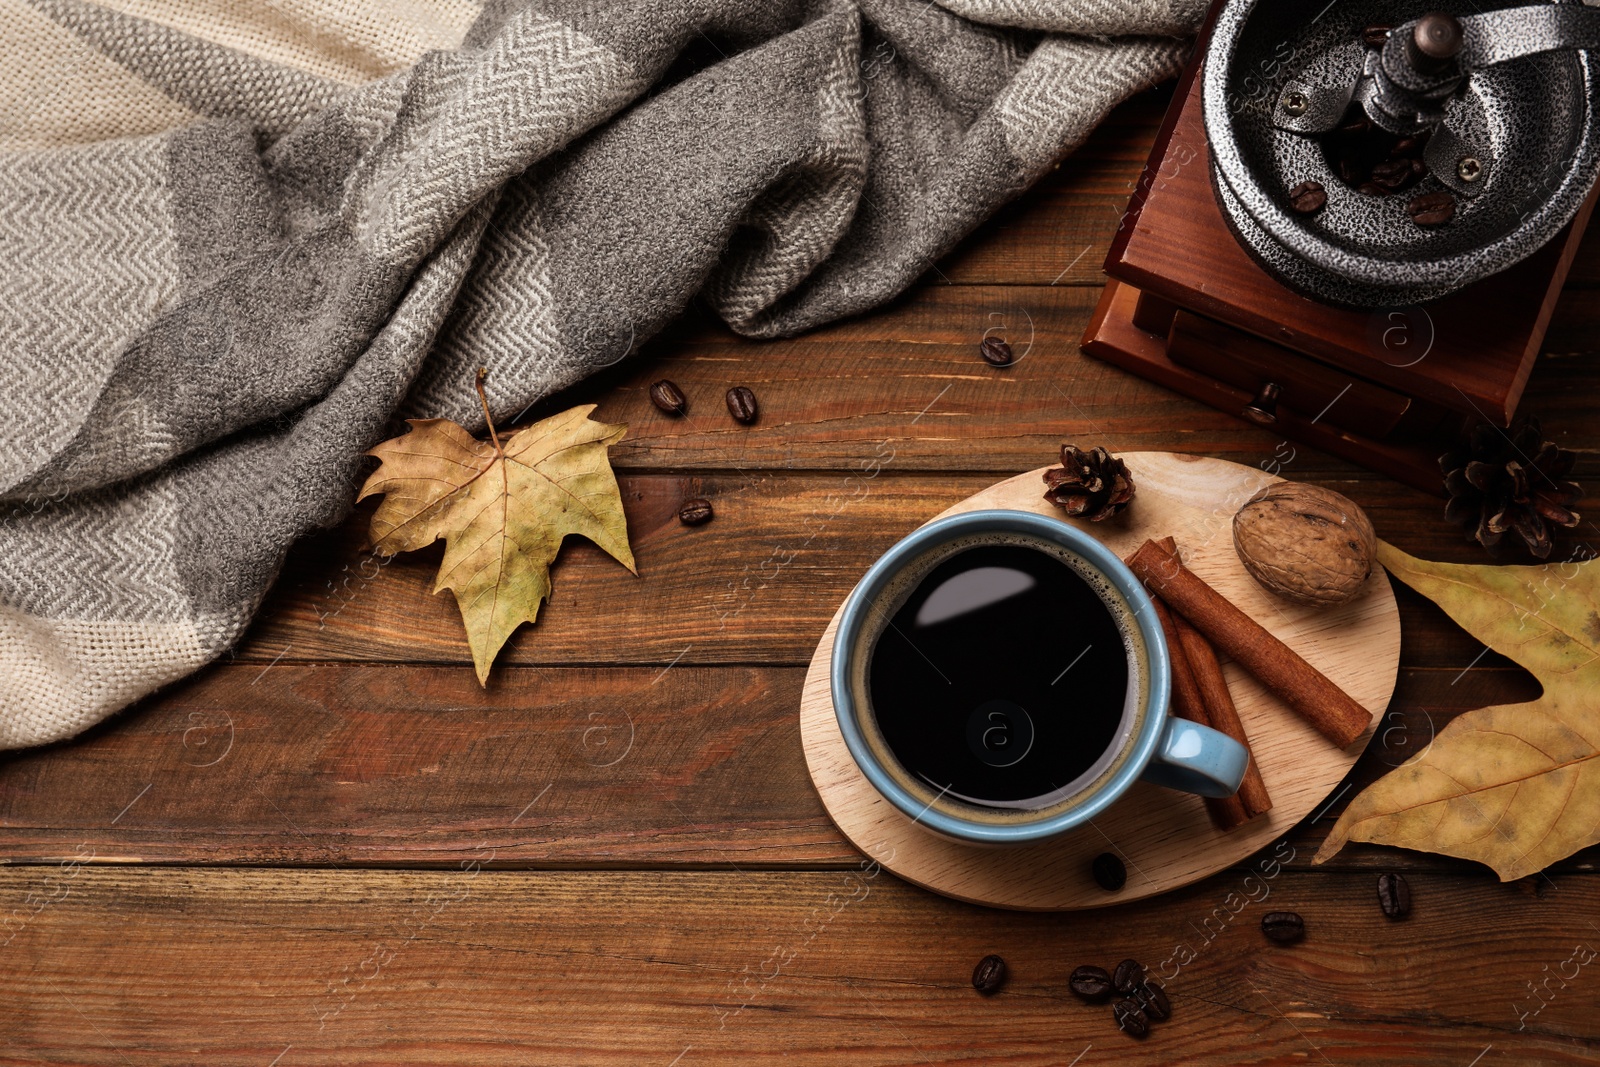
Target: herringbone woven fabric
237	238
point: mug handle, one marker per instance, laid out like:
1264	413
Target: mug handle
1197	759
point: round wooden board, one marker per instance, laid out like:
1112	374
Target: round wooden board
1166	838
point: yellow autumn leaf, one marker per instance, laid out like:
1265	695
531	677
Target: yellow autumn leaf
1516	786
503	507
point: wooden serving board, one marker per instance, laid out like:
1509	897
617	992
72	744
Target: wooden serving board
1165	838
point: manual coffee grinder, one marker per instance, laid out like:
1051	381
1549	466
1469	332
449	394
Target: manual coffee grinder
1356	220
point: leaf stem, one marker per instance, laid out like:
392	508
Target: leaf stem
483	372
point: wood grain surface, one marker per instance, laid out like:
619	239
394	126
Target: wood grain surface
477	966
905	380
263	864
757	584
352	765
1166	837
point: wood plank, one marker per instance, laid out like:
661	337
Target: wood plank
341	766
334	766
478	966
755	585
908	381
1057	234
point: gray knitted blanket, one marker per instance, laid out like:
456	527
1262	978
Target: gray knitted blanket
236	238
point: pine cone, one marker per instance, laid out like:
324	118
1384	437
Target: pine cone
1502	480
1093	485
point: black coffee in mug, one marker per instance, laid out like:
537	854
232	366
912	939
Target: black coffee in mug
1001	674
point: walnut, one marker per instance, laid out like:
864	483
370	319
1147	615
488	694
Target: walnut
1305	543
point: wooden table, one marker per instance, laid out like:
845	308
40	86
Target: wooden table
334	847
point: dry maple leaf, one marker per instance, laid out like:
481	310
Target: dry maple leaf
1517	786
503	508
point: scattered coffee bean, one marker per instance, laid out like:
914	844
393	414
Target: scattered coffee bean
1407	148
1090	982
996	352
742	405
1153	999
668	397
1394	895
1393	173
1283	926
1432	209
1109	872
989	975
1372	189
1130	1018
1355	123
1308	197
695	512
1375	36
1128	974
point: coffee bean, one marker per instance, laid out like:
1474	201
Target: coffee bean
1109	872
1130	1018
1128	974
1153	999
695	512
668	397
1375	36
989	975
742	405
1355	122
1090	982
1406	148
1432	209
1283	926
996	352
1392	173
1308	197
1394	895
1371	189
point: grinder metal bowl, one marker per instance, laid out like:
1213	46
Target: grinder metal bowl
1507	94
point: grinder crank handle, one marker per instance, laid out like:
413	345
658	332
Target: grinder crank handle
1424	62
1404	86
1511	33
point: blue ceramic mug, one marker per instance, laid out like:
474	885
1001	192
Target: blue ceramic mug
1148	742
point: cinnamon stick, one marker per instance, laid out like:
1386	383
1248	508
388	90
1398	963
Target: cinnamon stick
1224	716
1186	699
1308	691
1188	703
